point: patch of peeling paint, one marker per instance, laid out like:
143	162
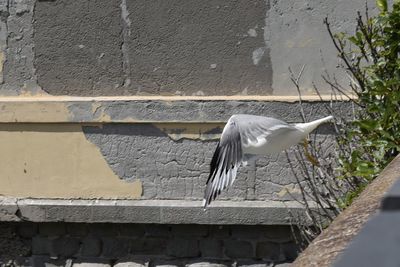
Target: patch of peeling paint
193	131
34	112
289	190
258	54
57	161
99	113
252	32
1	62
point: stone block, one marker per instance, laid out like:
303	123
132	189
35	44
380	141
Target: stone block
237	249
149	246
131	230
52	229
206	264
45	261
247	231
211	248
103	229
77	229
130	264
157	230
40	245
91	262
183	248
22	262
220	231
278	233
64	246
91	247
116	247
137	246
155	246
27	230
189	230
268	251
253	264
290	251
283	265
166	263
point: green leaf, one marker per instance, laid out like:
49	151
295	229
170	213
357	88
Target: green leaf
339	35
382	5
354	39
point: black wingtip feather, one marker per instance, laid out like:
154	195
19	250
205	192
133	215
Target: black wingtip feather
214	163
227	155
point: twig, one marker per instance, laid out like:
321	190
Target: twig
296	83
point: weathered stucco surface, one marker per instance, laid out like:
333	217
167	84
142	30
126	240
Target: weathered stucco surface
296	36
56	161
78	47
18	73
175	164
168	47
197	47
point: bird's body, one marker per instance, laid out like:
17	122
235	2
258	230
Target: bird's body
247	136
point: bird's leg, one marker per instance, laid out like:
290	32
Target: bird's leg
310	157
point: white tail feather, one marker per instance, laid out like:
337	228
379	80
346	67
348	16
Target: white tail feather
308	127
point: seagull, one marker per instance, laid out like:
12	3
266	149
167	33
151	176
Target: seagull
247	137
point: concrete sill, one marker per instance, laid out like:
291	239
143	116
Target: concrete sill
150	211
157	109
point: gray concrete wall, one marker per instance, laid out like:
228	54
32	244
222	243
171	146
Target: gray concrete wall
170	47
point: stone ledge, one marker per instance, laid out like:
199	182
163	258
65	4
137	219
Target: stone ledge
150	211
160	109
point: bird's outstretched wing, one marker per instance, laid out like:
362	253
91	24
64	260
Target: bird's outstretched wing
257	130
225	162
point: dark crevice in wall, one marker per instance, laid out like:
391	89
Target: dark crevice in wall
125	33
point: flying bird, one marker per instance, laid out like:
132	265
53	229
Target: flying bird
249	136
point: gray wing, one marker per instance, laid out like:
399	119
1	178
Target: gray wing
225	162
253	127
240	131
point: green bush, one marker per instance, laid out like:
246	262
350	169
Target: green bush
371	57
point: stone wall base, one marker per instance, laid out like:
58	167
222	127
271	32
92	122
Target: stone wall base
111	244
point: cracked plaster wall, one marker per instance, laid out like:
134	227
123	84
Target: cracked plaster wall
178	169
